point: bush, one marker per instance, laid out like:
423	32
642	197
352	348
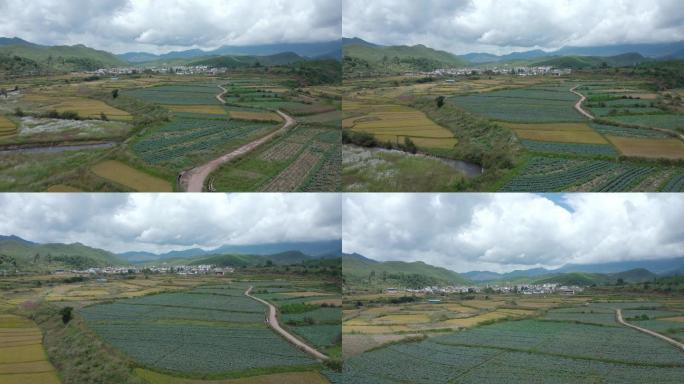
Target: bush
66	314
19	112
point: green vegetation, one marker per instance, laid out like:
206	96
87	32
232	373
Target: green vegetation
362	60
27	59
359	270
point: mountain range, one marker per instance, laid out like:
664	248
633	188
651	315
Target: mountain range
327	50
362	270
361	55
24	255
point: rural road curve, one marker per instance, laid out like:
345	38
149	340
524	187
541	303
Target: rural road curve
273	323
578	106
193	180
618	316
581	110
219	97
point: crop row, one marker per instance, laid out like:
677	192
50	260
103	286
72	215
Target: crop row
626	180
558	180
628	132
577	149
178	94
675	184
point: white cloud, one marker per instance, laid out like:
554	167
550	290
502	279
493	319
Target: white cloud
162	222
503	232
163	25
499	26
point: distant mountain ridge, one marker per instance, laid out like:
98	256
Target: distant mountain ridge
359	269
309	50
652	51
313	248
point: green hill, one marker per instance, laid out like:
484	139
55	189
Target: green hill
638	275
360	270
587	62
17	254
359	59
241	260
232	61
59	58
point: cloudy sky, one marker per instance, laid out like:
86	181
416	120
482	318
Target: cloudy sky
159	26
164	222
504	232
504	26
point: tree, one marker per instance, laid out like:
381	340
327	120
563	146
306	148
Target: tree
604	65
3	92
66	314
103	117
115	94
440	101
409	145
620	281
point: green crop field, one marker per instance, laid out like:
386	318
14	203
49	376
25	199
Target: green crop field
533	105
570	345
576	149
306	158
203	331
178	94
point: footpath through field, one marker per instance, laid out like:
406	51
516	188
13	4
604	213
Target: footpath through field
618	316
193	180
578	105
273	323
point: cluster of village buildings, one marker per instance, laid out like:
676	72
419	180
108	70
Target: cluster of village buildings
164	269
176	69
524	289
495	70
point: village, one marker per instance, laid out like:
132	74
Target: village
182	270
524	289
175	69
522	71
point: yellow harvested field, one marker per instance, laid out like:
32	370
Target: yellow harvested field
91	109
402	319
304	294
23	378
374	329
63	188
649	148
22	358
255	116
475	320
394	123
130	177
278	378
7	127
558	132
202	109
482	304
676	318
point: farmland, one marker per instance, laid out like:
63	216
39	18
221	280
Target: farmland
161	126
512	127
22	358
171	329
559	339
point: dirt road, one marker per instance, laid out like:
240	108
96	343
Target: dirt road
193	180
219	97
273	323
578	106
618	316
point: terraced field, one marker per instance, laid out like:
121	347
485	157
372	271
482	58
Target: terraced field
129	177
584	347
7	127
22	358
393	123
212	330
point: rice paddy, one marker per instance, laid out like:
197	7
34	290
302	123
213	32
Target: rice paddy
132	178
22	358
564	133
649	148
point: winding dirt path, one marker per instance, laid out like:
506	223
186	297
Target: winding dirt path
578	106
618	317
272	322
193	180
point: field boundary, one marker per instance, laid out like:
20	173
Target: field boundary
618	317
